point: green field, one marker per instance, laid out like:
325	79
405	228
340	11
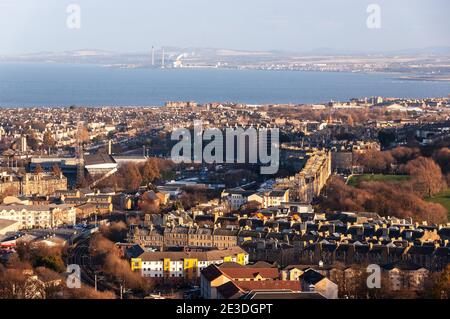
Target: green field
357	179
443	199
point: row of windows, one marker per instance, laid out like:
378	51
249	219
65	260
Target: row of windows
148	266
200	237
192	237
178	235
160	275
160	269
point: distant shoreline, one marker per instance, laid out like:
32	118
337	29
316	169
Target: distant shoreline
395	75
425	78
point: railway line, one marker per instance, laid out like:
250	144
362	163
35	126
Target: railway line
79	255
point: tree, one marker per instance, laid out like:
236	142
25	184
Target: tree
56	170
40	255
53	262
350	121
32	141
437	285
428	179
106	254
132	178
9	191
13	283
385	198
442	157
403	154
48	141
150	171
116	232
375	161
83	135
149	207
38	169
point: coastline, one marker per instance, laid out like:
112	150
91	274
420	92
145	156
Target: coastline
424	78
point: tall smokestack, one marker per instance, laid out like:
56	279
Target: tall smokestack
153	55
109	147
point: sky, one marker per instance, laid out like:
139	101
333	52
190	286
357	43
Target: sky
30	26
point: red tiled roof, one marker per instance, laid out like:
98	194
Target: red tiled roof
293	285
250	273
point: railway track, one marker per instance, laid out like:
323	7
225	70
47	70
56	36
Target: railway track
80	256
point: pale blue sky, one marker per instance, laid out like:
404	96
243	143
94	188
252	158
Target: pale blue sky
297	25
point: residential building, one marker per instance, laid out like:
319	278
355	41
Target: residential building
31	183
184	265
404	275
172	237
233	281
309	182
312	281
39	216
270	198
236	197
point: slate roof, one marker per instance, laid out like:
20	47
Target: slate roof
311	277
421	250
402	265
96	159
250	273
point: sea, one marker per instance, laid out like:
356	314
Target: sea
53	84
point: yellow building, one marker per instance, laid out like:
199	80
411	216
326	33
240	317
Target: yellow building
184	265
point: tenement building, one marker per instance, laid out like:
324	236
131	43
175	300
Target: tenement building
170	237
310	181
39	216
31	183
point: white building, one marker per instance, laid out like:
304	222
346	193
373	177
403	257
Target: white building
100	164
23	147
270	198
184	265
236	197
39	216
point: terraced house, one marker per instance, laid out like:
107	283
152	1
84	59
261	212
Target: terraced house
31	183
39	216
170	237
183	265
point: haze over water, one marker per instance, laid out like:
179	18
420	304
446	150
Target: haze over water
34	84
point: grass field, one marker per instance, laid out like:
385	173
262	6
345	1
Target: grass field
443	199
356	179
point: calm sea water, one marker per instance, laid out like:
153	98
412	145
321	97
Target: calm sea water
46	84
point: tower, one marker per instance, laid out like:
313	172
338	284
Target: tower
109	147
79	153
163	62
23	147
153	55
